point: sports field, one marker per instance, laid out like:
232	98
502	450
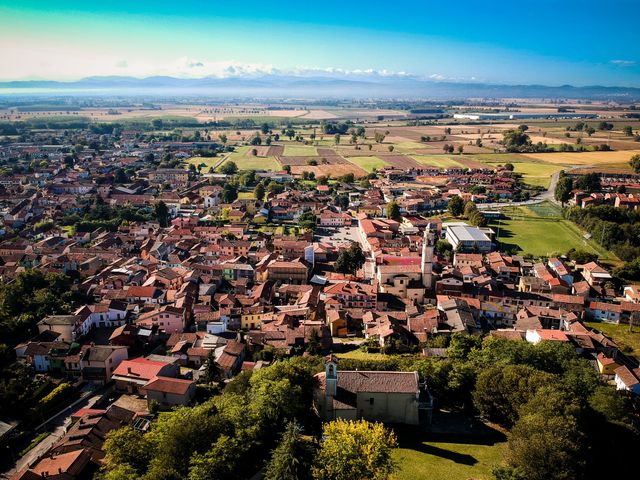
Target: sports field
368	164
538	230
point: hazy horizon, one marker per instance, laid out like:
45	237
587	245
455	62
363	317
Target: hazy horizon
470	41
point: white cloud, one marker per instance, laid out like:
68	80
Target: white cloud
623	63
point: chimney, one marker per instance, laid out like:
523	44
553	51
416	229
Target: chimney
128	369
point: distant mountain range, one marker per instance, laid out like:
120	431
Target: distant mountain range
320	86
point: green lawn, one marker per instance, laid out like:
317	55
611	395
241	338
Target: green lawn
423	459
543	236
439	161
628	341
368	163
245	195
536	174
362	355
300	151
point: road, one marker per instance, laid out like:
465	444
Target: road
546	196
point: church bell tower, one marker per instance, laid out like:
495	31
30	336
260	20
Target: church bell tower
428	245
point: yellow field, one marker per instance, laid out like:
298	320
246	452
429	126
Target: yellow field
583	158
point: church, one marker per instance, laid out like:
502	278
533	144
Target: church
388	397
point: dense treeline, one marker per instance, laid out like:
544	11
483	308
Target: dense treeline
23	302
616	229
227	437
552	402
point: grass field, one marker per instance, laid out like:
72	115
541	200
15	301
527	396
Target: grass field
439	161
583	158
248	162
207	162
448	458
245	195
300	151
534	173
628	341
526	232
368	163
358	354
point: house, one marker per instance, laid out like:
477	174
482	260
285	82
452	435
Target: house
168	318
68	326
64	466
595	275
230	357
537	336
604	312
98	362
132	375
170	392
467	239
353	295
389	397
627	379
606	365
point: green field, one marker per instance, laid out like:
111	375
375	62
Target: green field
536	174
439	161
300	151
206	162
249	162
362	355
543	237
368	163
628	341
423	459
245	195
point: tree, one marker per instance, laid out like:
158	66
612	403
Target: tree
291	459
229	168
258	192
127	446
509	166
563	189
393	210
456	206
229	193
355	450
161	213
121	176
634	161
390	148
314	346
350	260
589	183
265	128
336	138
470	208
546	447
212	371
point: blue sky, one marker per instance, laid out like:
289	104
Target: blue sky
548	42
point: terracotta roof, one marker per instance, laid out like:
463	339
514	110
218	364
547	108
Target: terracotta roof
176	386
139	368
374	382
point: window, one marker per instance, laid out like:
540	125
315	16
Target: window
371	400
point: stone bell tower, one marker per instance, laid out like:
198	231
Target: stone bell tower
428	246
331	376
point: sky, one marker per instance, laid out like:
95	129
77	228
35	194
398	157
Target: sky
548	42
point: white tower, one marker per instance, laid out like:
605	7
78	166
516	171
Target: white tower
428	244
331	376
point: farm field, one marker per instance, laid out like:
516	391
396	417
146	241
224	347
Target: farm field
206	162
250	162
628	341
446	457
300	151
537	174
369	164
583	158
439	161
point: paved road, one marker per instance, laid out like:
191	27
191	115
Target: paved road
546	196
